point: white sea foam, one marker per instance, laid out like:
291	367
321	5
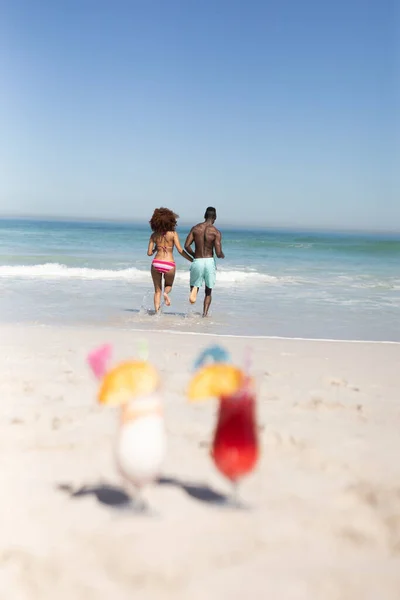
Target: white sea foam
235	276
56	271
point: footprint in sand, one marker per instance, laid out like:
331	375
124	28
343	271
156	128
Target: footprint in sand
343	383
378	510
338	382
284	441
317	403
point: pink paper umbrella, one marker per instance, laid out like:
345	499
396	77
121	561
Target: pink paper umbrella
98	360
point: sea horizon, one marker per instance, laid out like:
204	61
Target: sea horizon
220	222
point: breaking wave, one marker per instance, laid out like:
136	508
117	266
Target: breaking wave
56	271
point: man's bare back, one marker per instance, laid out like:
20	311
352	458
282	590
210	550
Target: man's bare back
206	238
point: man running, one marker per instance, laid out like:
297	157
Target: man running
206	238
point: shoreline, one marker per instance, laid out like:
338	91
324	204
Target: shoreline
114	327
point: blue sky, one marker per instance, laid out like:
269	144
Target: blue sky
278	113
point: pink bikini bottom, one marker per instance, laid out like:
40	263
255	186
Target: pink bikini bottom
163	266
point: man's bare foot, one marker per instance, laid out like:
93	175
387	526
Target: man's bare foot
166	299
193	295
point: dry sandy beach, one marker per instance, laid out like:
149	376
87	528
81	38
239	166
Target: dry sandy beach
324	521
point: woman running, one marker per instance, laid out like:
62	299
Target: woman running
162	242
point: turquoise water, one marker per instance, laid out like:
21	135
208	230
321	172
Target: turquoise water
278	283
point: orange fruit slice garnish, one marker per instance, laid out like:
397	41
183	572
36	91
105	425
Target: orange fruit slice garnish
214	381
127	381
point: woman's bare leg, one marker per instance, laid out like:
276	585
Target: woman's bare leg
168	282
157	281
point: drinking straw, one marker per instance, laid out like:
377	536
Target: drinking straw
143	349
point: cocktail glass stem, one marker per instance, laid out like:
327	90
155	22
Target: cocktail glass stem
140	502
136	494
235	494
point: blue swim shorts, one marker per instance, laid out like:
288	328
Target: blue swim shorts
203	270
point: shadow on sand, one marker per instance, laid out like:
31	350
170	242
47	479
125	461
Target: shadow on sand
116	497
198	491
105	494
151	312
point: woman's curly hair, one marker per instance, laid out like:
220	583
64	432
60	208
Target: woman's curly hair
163	220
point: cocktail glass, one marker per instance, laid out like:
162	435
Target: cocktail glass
235	447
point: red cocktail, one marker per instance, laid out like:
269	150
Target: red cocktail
235	446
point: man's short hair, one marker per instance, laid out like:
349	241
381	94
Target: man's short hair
210	213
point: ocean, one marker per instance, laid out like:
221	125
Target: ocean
272	282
